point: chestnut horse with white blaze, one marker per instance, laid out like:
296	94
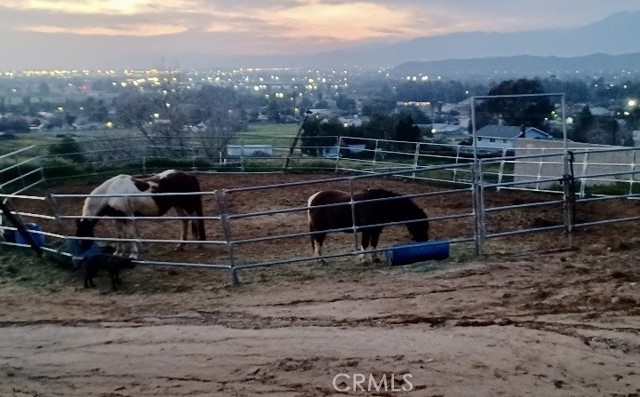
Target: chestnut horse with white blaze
372	209
128	201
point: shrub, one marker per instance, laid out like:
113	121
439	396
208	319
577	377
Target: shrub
68	148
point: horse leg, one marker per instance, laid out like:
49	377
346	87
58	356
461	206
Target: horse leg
198	225
131	233
316	244
120	225
364	244
370	237
375	236
185	228
197	228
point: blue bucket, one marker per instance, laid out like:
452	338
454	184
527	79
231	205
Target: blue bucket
38	238
404	254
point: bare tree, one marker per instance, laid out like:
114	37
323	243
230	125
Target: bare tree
174	119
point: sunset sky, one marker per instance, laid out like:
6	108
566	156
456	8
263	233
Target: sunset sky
52	33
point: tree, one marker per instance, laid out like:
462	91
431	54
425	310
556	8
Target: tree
345	103
378	106
70	119
529	111
406	130
14	125
319	133
582	125
273	111
377	127
163	117
54	122
68	148
605	131
43	89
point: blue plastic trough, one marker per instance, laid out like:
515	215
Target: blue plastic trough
38	238
404	254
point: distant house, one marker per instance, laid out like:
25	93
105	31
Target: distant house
501	137
200	127
249	150
600	111
320	113
355	121
444	131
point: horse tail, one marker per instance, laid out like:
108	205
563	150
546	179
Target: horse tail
198	210
200	226
312	236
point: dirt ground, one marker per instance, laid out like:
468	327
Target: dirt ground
529	319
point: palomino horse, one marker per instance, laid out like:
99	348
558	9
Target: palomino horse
124	202
372	208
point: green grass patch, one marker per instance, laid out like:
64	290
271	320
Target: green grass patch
22	267
274	130
613	189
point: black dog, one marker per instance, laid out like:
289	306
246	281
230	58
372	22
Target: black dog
105	260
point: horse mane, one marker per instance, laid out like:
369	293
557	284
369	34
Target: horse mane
375	193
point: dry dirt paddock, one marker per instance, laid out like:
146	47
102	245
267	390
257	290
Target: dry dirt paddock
528	319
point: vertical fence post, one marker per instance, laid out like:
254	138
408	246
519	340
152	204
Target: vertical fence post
501	168
144	159
55	210
455	170
222	205
478	211
43	177
583	177
338	154
482	224
568	199
375	156
539	176
353	216
633	171
416	158
242	154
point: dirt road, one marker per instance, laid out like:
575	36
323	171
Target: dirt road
510	324
563	324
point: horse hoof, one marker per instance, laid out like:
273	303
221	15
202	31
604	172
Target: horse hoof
322	262
133	256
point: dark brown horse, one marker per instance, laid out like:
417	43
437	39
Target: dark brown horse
371	210
124	202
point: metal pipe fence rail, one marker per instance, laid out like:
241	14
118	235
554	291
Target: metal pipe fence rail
226	220
239	244
377	155
345	251
20	170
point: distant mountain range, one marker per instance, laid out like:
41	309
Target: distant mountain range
523	66
547	49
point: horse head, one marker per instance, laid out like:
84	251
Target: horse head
419	229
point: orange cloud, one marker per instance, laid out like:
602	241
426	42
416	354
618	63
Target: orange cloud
108	7
349	21
142	30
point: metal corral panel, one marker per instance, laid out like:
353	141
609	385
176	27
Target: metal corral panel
601	159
